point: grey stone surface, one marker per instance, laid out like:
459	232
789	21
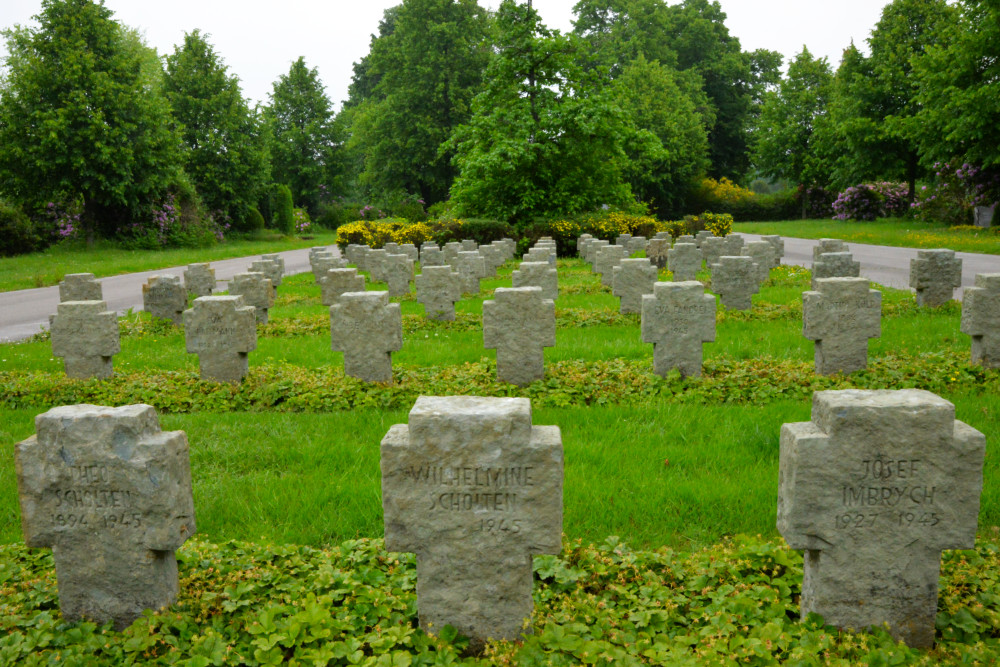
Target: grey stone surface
732	245
762	254
199	279
337	282
255	288
398	274
623	239
519	322
451	250
841	315
636	244
438	288
734	279
468	245
271	269
982	216
684	261
326	261
510	245
410	251
981	319
277	259
367	329
662	235
779	247
935	274
222	331
475	491
677	318
541	254
700	237
580	241
110	493
375	262
431	255
828	245
591	249
352	252
607	258
712	248
85	334
538	274
633	278
391	248
685	238
835	265
492	259
80	287
873	489
657	252
164	297
471	267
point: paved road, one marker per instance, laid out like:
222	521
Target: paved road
23	313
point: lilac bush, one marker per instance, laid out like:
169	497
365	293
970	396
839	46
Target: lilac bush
956	191
869	201
65	218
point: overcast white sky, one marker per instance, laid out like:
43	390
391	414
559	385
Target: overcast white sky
259	39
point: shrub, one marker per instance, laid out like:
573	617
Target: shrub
255	221
676	228
601	224
719	225
284	217
18	234
417	233
871	200
176	221
373	233
369	212
744	205
955	193
333	214
301	220
481	230
410	208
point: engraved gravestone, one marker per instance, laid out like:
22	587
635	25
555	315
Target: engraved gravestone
222	331
779	247
633	278
835	265
367	329
538	274
468	245
110	493
451	250
762	254
431	255
684	261
608	257
657	252
828	245
981	319
326	261
519	322
270	269
712	249
438	288
841	315
475	490
85	334
677	318
398	271
199	279
375	261
255	288
873	489
471	267
734	279
492	259
935	274
80	287
164	297
337	282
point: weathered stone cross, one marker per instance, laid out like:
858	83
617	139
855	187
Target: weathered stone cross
367	329
519	323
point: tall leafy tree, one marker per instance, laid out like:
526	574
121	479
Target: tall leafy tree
544	136
82	116
784	139
304	137
223	145
428	68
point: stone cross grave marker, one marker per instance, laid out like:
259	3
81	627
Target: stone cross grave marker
164	297
677	318
592	250
935	274
222	331
623	239
367	329
835	265
541	254
199	279
85	334
633	278
80	287
322	248
451	250
492	260
684	261
981	319
636	244
337	282
398	274
873	489
375	261
584	251
471	267
475	490
271	271
841	315
779	247
353	252
762	254
431	255
468	245
608	257
277	259
712	248
391	248
326	261
734	279
519	322
438	288
255	288
828	245
510	245
658	250
580	241
732	245
685	238
410	251
111	495
538	274
700	237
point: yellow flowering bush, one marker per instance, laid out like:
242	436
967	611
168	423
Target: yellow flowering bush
416	233
373	233
719	225
723	191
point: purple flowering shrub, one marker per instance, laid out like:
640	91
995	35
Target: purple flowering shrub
869	201
65	218
301	220
955	192
175	221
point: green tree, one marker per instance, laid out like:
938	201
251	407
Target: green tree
82	117
428	68
545	137
621	31
304	141
784	137
223	145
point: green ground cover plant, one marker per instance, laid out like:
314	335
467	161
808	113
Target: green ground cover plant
901	233
105	258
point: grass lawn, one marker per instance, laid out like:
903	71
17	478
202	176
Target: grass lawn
41	269
884	231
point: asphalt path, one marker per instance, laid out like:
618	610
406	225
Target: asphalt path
24	313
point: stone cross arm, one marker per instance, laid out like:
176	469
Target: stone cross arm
365	321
